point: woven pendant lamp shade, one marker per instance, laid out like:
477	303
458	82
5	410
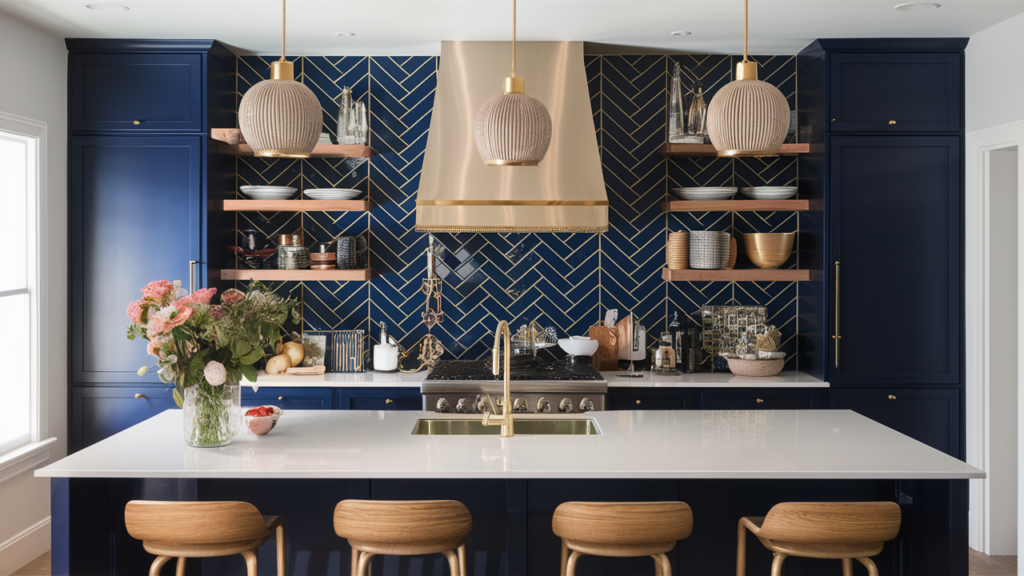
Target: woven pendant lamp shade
513	129
748	118
280	119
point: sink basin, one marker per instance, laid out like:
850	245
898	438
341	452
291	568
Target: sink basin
452	427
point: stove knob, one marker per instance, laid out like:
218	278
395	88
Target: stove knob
565	405
586	405
463	406
520	405
543	405
443	405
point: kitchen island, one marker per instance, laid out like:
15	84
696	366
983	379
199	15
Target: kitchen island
725	464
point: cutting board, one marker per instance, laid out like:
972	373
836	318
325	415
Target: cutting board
607	355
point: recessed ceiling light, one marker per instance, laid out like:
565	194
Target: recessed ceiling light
917	6
681	33
344	33
107	7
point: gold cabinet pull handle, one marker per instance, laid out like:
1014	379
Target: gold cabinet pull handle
892	122
142	396
137	122
760	401
891	397
637	401
192	276
280	397
389	401
835	335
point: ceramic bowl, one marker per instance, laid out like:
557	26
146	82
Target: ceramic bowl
578	346
769	250
260	425
756	368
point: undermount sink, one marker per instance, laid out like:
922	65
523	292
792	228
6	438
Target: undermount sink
452	427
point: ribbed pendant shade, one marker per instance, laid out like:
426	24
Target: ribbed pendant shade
513	129
748	118
280	119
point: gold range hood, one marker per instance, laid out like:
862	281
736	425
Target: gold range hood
459	193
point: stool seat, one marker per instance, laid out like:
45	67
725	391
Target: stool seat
621	529
404	528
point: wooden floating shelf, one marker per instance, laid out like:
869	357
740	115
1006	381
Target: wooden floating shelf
738	206
231	144
298	275
296	205
738	275
690	150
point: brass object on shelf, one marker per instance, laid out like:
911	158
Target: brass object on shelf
769	250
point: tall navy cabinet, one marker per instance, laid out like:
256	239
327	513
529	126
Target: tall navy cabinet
139	181
885	118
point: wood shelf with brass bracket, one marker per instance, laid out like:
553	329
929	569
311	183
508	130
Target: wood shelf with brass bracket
299	275
694	150
741	205
737	275
230	143
296	205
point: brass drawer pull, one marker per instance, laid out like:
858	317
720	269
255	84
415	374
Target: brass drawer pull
137	122
892	121
142	396
389	401
760	401
891	397
280	397
637	401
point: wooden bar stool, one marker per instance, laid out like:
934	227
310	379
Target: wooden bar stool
621	529
202	530
404	528
831	530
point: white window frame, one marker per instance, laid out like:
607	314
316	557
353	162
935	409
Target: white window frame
36	451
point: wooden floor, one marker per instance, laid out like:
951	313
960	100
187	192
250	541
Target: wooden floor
981	565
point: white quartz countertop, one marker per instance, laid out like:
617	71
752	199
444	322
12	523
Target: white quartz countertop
341	380
763	444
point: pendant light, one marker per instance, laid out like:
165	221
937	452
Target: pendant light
513	128
280	118
748	117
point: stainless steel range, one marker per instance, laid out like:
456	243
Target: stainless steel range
459	386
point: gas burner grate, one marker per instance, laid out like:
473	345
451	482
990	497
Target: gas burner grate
480	370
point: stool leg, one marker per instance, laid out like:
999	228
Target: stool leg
250	562
741	551
281	555
179	569
657	565
364	564
453	561
847	567
355	562
870	564
565	558
154	568
777	564
666	565
570	567
462	559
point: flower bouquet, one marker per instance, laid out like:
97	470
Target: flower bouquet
204	349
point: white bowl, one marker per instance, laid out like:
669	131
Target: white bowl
578	346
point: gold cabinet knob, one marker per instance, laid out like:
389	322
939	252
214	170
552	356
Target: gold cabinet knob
637	401
280	397
760	401
833	119
143	396
137	122
892	122
891	397
389	401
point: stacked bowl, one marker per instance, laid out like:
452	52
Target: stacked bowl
705	193
769	192
268	192
678	251
769	250
709	250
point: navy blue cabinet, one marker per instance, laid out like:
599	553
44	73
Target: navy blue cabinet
896	249
930	416
289	398
136	216
99	412
378	399
650	399
762	399
895	92
136	92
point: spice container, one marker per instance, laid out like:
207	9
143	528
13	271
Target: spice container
346	252
291	257
289	240
322	256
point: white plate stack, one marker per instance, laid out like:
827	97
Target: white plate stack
268	192
709	250
332	193
770	192
705	193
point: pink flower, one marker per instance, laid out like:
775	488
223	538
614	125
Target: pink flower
218	312
202	296
166	319
135	311
215	373
232	296
159	290
179	317
156	327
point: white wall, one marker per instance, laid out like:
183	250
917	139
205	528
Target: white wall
994	83
35	86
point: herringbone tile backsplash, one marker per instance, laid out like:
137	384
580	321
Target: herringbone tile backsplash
564	280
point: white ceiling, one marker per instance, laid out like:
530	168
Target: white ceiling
417	26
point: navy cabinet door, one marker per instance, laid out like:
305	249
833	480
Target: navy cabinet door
289	398
929	416
754	399
379	399
163	92
100	412
135	215
895	92
650	399
896	227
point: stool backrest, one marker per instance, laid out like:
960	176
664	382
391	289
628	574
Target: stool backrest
623	522
832	522
194	522
402	521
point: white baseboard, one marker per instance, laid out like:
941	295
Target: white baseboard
25	546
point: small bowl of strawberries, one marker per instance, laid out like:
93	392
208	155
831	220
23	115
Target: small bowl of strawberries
262	419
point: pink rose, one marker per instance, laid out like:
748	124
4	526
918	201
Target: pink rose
202	296
157	326
159	290
135	311
232	296
179	317
215	373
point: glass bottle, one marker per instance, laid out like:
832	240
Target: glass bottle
676	107
697	123
345	113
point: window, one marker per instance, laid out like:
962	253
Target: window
19	187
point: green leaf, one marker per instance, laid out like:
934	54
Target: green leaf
241	348
178	398
251	357
249	372
195	367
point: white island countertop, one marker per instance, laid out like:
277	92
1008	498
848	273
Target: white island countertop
763	444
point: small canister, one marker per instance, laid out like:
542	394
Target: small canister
292	257
346	252
322	256
289	240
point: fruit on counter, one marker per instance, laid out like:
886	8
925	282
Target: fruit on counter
262	419
260	411
279	364
294	351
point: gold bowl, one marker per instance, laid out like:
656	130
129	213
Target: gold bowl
769	250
